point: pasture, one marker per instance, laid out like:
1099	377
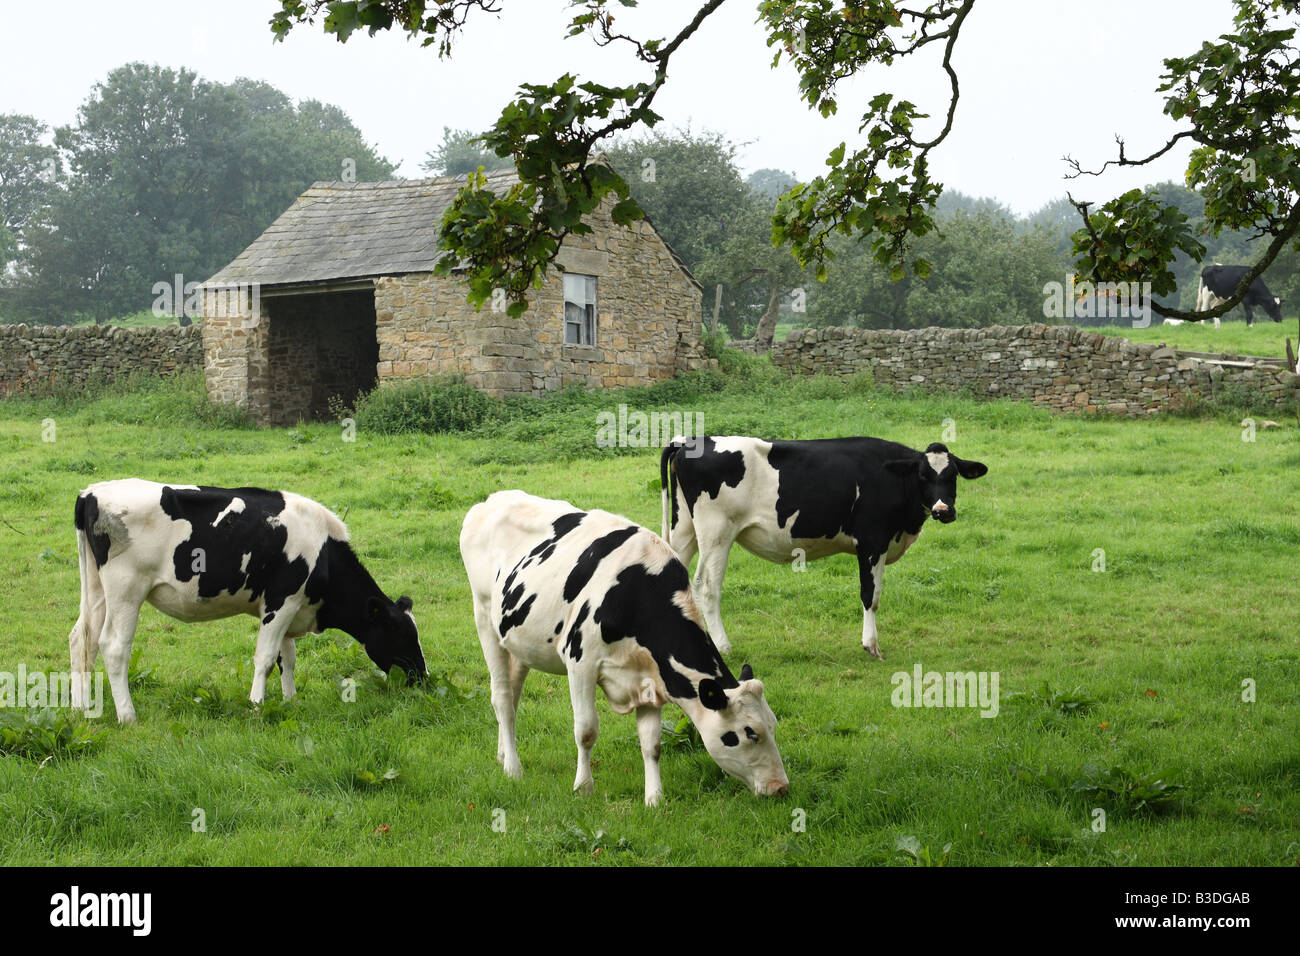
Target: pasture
1127	581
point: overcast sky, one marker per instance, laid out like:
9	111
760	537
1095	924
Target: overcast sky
1039	78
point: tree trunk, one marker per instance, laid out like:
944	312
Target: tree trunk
717	307
766	330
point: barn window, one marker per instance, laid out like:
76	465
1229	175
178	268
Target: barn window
579	309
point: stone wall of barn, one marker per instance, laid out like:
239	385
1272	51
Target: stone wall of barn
1063	367
236	360
648	322
34	359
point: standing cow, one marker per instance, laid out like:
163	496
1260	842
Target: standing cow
786	499
594	596
201	553
1219	282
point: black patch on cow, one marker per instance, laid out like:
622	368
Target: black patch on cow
559	626
729	739
86	517
573	643
269	575
518	616
590	559
641	605
699	473
268	619
749	732
559	527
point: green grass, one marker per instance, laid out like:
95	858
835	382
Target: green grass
1263	338
1118	684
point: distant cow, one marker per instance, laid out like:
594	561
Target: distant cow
200	553
1218	283
786	499
592	595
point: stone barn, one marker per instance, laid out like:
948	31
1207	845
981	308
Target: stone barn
338	296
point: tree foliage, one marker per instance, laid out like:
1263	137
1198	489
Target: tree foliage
460	153
1236	98
168	174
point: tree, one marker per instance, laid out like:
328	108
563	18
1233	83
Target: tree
459	154
171	175
28	175
1236	98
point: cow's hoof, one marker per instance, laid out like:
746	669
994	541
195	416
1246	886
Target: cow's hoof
587	787
874	652
652	799
513	769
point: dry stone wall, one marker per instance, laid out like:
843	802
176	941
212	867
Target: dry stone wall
1061	367
37	358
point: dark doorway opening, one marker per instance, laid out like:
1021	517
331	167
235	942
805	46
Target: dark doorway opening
322	350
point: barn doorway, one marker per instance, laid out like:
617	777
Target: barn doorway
321	347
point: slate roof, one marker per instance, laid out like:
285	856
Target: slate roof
338	230
342	231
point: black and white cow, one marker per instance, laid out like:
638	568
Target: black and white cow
784	500
594	596
201	553
1219	282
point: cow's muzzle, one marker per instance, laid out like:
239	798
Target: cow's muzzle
776	788
943	513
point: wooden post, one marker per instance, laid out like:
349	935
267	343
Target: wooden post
717	307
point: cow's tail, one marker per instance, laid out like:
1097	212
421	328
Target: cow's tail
83	641
667	485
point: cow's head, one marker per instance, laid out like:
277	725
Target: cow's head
739	732
390	638
932	478
1273	308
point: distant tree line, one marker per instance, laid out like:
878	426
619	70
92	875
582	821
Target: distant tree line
162	174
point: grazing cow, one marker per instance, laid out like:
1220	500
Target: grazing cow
592	595
199	553
1219	282
784	500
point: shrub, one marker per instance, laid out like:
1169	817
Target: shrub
427	405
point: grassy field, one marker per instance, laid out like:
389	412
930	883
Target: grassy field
1113	682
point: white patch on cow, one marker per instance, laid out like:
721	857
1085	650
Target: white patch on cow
939	505
235	507
243	562
898	547
938	460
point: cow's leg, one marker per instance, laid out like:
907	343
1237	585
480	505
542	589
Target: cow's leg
288	654
682	536
582	694
650	730
120	618
83	641
715	550
504	700
871	573
518	672
270	641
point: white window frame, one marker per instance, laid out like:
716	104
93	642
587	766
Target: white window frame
580	293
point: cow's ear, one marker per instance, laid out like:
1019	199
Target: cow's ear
403	603
970	470
900	466
747	673
712	695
